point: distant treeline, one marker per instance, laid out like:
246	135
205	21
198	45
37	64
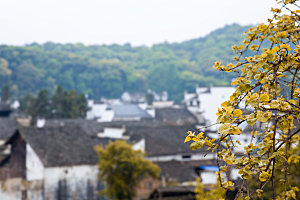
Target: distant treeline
109	70
62	104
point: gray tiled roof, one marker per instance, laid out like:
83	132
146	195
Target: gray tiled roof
178	116
4	107
129	110
7	127
92	127
61	146
163	140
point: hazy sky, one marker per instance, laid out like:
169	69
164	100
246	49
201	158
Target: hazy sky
120	21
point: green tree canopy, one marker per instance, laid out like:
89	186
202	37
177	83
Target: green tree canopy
109	70
63	104
5	93
41	106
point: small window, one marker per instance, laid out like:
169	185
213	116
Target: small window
150	186
24	194
186	157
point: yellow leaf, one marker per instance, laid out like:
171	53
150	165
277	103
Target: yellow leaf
236	130
275	49
196	145
263	117
225	104
237	113
275	103
228	185
264	97
263	176
200	135
253	47
259	191
191	136
188	138
224	128
292	101
285	46
263	55
208	143
294	159
251	120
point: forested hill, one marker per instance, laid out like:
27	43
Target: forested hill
108	70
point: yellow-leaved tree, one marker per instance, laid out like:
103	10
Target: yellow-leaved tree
267	92
215	191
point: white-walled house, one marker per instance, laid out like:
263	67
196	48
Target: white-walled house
207	100
49	164
105	112
139	97
161	138
99	111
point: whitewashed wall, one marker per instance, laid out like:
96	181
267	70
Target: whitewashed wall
116	133
76	178
235	174
2	142
143	106
107	116
210	102
188	96
208	177
96	110
10	189
151	112
140	145
178	157
43	181
99	112
34	166
162	104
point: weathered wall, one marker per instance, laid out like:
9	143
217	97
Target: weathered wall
10	189
60	183
70	182
145	187
20	189
14	165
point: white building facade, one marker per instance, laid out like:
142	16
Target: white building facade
50	173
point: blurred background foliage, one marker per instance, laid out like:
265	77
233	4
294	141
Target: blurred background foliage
109	70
